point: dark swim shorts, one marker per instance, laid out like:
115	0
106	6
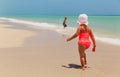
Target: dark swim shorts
64	25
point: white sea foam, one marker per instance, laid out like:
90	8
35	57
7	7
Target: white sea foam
114	41
59	29
42	25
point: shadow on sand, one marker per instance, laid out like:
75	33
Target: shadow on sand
72	66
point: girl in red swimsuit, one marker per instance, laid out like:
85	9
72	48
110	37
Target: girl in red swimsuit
84	33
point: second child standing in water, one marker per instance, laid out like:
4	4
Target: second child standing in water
64	22
84	32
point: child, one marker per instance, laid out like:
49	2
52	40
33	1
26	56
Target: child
64	22
84	32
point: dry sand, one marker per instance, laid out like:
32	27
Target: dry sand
43	53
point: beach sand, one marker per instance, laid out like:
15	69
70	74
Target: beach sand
43	53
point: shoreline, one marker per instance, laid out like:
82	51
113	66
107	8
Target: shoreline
105	35
46	53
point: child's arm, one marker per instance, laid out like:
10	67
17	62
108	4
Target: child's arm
74	35
93	40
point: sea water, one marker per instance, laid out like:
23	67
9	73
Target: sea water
105	28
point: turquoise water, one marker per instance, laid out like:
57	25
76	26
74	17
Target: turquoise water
105	28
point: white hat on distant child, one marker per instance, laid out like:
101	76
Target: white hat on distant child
83	19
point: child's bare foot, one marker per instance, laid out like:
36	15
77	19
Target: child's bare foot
83	68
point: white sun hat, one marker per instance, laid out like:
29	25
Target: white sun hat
83	19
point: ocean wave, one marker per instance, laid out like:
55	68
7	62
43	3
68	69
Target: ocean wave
59	29
113	41
42	25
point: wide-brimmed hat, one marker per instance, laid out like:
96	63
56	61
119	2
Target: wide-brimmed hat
83	19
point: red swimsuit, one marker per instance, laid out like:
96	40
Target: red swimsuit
84	39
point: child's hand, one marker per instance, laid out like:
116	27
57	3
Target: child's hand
68	39
93	49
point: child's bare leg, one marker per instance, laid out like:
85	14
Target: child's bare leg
85	60
82	55
82	63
